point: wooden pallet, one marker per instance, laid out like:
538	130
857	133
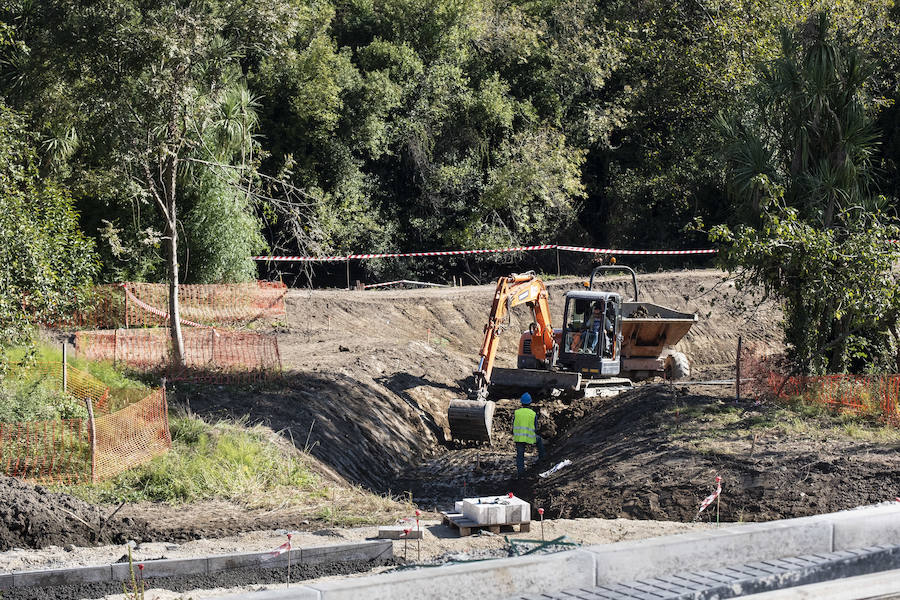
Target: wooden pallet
467	526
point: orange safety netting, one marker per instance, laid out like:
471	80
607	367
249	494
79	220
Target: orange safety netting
103	306
204	349
131	436
876	395
147	304
47	450
78	450
75	382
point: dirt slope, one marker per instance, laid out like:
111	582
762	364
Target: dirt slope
372	373
653	453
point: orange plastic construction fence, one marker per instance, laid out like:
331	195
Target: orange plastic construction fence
131	436
205	350
877	395
47	451
147	305
79	450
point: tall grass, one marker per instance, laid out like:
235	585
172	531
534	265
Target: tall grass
105	371
30	398
221	460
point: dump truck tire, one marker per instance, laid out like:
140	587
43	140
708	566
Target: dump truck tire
677	366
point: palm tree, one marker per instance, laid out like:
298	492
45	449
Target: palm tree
808	130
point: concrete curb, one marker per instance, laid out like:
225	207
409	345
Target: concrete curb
369	550
620	562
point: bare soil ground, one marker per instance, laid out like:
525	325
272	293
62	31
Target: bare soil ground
369	376
33	517
654	452
439	545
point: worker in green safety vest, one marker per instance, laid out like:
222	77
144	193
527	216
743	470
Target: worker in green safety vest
525	432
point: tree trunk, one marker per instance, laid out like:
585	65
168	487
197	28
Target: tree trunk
174	311
171	172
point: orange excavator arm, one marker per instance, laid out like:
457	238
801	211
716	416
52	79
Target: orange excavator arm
512	291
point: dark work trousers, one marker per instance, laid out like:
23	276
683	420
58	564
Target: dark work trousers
520	454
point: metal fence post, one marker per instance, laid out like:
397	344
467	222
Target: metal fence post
92	432
737	374
65	367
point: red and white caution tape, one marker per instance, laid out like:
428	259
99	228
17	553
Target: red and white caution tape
301	258
712	497
285	547
453	252
160	313
480	251
404	281
639	252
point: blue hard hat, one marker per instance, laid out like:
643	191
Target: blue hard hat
526	398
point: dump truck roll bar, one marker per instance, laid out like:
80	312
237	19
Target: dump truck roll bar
616	268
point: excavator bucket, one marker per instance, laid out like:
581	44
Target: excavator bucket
471	420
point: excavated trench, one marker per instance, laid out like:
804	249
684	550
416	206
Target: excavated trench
372	374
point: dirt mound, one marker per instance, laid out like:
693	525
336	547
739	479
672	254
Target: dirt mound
33	517
653	453
371	374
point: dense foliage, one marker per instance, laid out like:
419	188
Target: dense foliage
46	262
803	160
199	132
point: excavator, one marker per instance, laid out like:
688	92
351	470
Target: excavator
604	343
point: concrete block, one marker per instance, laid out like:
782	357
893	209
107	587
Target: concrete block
374	550
6	581
655	557
395	532
501	578
518	511
293	593
457	506
487	510
250	559
235	561
162	568
60	576
869	526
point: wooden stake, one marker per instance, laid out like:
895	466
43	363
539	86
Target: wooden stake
289	561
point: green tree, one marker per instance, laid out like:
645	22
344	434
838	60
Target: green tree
46	263
803	156
156	92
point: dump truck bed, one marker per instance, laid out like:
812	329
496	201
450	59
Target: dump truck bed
655	328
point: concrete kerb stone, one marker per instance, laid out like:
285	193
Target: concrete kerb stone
499	578
60	576
374	550
868	526
737	544
641	559
371	550
166	567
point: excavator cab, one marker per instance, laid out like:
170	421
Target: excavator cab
591	339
